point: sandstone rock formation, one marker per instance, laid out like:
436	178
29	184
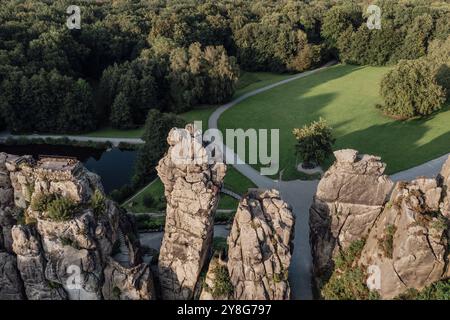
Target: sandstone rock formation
408	244
64	233
444	180
260	247
192	186
11	287
349	199
406	239
128	284
10	283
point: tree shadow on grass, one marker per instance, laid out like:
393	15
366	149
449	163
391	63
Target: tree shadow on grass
398	143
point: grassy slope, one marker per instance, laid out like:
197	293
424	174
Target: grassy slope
346	97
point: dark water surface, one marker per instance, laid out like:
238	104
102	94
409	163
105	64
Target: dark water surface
114	166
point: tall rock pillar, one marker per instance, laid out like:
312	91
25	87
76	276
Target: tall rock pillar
192	186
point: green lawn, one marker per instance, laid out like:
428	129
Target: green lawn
108	132
156	190
346	97
237	182
248	81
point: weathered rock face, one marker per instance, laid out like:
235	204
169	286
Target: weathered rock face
192	192
128	284
11	286
7	210
349	199
408	244
406	240
63	253
444	180
10	282
260	247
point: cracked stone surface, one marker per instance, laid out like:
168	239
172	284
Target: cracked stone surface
53	259
348	200
260	246
192	193
444	179
409	243
406	238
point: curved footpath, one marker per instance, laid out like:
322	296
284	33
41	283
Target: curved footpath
299	194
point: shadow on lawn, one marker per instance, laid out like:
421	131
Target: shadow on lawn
397	143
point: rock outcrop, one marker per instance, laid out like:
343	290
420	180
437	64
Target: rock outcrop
11	285
128	284
349	199
444	180
405	240
192	186
408	244
260	246
65	233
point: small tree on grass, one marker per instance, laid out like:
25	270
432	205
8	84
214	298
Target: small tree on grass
410	90
314	142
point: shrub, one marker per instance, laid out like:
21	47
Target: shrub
387	243
98	203
410	90
314	142
222	283
61	209
437	291
147	222
41	201
348	281
307	58
116	292
148	201
120	195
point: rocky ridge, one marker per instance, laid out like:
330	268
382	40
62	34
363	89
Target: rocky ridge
59	233
404	229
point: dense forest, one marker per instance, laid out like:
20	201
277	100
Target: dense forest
131	56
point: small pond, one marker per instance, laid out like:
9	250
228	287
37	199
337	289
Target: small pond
114	166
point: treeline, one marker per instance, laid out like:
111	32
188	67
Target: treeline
134	56
131	56
407	29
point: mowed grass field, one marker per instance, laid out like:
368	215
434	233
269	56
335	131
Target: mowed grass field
345	96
